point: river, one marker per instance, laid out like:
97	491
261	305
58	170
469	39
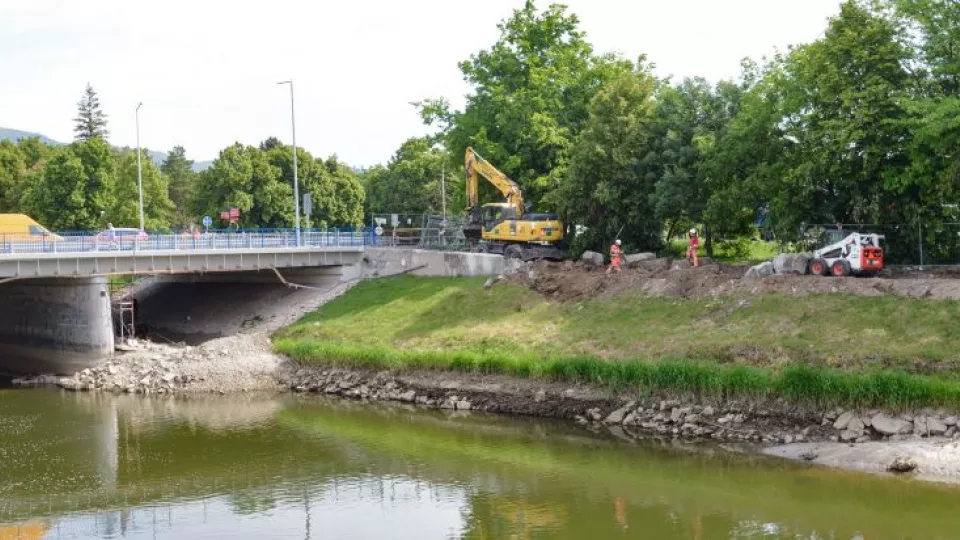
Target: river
255	466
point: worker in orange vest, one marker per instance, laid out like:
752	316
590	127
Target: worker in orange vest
615	257
692	248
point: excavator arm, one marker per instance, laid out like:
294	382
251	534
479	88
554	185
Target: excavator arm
476	167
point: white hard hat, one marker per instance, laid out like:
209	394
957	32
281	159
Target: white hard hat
693	231
618	241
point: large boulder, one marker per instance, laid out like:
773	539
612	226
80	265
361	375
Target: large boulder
634	258
888	425
653	265
592	258
760	270
791	263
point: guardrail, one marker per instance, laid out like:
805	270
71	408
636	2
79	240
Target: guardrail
87	242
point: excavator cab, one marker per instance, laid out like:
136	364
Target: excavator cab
496	213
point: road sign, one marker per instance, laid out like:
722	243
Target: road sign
307	205
207	221
379	230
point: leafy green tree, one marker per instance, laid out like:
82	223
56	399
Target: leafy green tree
610	179
242	177
843	103
410	183
76	189
57	200
91	121
936	26
181	179
157	206
13	170
748	160
529	101
336	191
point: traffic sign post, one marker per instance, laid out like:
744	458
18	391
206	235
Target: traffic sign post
207	222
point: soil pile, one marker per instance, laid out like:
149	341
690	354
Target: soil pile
571	281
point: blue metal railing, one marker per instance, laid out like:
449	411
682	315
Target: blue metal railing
213	239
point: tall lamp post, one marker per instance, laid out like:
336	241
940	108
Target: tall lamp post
296	183
139	170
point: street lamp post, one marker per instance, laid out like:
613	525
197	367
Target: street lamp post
139	170
296	183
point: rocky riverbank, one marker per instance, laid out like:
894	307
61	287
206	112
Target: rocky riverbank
231	364
761	421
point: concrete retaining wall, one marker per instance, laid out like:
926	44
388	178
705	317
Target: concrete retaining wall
389	261
54	325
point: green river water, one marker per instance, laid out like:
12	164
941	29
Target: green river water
249	466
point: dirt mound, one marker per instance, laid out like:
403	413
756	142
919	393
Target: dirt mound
570	281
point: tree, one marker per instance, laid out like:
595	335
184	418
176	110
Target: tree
842	116
692	120
181	179
58	199
242	177
529	101
76	189
13	170
91	122
610	179
410	183
336	190
157	206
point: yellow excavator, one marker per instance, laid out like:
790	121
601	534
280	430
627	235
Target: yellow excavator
507	228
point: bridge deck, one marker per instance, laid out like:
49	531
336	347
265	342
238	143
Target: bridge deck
58	264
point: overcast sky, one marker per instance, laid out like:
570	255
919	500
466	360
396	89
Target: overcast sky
206	70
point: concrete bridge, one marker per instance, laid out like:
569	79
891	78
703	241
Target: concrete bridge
55	305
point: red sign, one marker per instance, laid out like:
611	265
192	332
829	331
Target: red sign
234	212
224	215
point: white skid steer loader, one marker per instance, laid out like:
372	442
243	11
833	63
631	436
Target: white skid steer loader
856	254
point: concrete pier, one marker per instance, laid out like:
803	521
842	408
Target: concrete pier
54	325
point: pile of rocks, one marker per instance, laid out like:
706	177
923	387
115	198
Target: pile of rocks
853	426
235	363
630	260
784	264
730	422
376	386
154	375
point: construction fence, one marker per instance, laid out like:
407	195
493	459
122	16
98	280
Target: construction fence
420	231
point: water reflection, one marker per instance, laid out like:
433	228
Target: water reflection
80	466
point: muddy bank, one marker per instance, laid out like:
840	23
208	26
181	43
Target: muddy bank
936	459
572	281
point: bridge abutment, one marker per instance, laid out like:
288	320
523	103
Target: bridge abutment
54	325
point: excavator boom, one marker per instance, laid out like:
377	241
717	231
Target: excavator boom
477	166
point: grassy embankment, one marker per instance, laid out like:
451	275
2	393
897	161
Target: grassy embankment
828	349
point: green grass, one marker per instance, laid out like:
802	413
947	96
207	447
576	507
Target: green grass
826	349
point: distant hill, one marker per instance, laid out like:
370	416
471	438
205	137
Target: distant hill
158	157
16	135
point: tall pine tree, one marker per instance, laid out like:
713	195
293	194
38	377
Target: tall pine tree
91	122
